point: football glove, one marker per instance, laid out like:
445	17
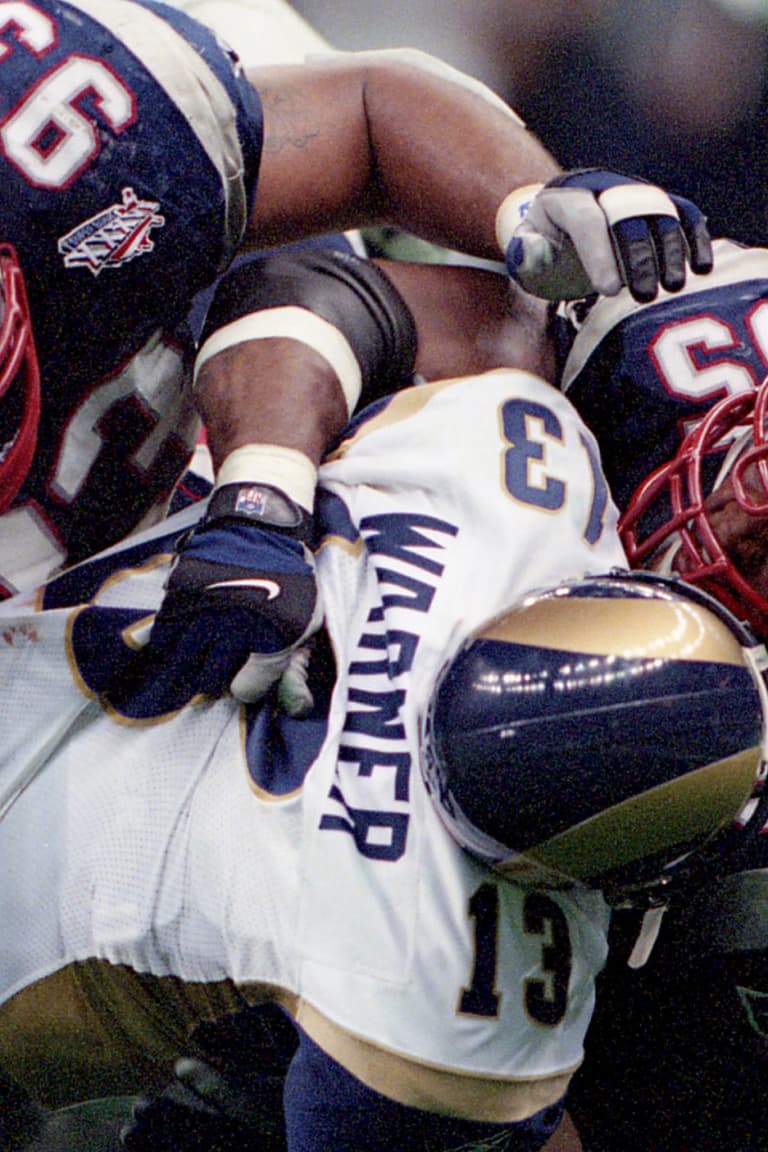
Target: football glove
591	230
203	1111
241	601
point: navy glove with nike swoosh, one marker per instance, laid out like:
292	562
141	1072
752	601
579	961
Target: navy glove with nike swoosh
241	601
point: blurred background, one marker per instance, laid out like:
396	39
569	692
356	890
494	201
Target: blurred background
673	90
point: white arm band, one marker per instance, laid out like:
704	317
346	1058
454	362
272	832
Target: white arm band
292	323
284	468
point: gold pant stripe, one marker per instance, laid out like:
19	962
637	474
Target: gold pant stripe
419	1085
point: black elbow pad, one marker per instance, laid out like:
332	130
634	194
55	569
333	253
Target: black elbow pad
350	293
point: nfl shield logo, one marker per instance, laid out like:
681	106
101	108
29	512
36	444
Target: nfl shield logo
251	501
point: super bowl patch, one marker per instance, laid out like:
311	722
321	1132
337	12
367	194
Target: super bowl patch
113	237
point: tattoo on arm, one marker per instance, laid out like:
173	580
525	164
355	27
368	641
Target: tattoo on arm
287	122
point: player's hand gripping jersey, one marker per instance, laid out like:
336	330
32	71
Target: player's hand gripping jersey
248	854
130	147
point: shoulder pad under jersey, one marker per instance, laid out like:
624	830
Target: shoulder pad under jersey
641	374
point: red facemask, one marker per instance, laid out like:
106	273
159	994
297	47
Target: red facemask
19	376
722	535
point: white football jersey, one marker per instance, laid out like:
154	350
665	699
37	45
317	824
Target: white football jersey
224	843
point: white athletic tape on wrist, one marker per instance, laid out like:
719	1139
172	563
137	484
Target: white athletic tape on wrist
284	468
292	323
512	211
625	201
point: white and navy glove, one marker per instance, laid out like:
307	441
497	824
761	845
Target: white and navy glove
591	230
241	601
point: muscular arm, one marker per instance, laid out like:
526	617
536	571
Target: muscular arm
366	138
470	321
467	321
294	343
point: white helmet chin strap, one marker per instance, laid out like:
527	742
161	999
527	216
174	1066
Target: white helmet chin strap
647	936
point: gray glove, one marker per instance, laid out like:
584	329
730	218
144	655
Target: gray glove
592	231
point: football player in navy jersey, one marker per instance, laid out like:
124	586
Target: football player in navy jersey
677	392
132	147
674	393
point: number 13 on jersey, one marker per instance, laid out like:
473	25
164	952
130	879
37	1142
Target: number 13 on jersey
529	429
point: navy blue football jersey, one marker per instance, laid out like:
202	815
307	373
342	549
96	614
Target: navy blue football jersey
642	375
129	151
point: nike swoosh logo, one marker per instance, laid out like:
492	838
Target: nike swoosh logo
271	587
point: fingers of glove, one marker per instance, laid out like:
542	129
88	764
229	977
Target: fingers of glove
694	225
652	252
157	686
574	220
648	235
637	254
190	662
210	1087
202	653
671	251
293	692
257	675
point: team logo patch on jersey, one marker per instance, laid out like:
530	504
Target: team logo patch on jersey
755	1005
113	237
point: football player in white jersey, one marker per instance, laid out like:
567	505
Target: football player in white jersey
644	376
412	502
176	857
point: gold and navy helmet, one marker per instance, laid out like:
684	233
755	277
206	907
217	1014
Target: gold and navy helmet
599	733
